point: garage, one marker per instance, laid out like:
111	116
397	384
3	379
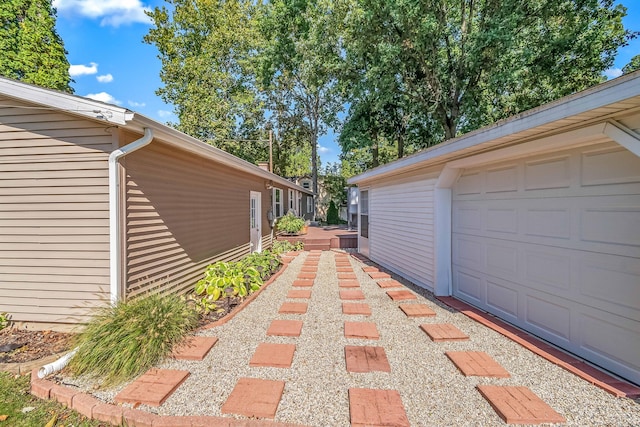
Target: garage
551	243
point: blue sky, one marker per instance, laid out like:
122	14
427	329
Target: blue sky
110	62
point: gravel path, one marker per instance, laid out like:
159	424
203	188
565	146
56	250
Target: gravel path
433	391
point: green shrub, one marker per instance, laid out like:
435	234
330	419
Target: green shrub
266	262
4	320
282	246
227	279
290	224
333	217
124	340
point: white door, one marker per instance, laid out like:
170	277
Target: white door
255	221
552	245
363	223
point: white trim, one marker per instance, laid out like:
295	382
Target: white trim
258	217
623	136
116	258
276	204
442	202
291	199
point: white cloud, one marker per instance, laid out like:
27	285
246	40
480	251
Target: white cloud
135	104
612	73
164	113
103	97
107	78
111	12
323	150
82	70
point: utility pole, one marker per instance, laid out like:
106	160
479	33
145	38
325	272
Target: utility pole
271	150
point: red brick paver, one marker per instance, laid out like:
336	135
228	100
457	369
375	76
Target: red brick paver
370	269
254	397
366	359
309	269
194	348
293	308
356	308
344	269
379	275
303	275
153	387
444	332
348	284
376	408
299	293
273	355
417	310
389	284
302	283
347	276
401	295
519	405
285	328
351	294
477	363
365	330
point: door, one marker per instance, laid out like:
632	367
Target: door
255	221
363	223
552	245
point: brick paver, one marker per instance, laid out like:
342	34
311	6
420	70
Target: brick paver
293	308
519	405
273	355
347	276
194	348
370	269
444	332
379	275
401	295
363	330
477	363
254	397
366	359
351	294
356	308
303	275
344	269
302	283
389	284
348	284
309	269
376	408
299	293
153	387
285	328
417	310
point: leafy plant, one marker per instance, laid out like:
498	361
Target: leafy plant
290	224
4	320
228	279
127	338
265	262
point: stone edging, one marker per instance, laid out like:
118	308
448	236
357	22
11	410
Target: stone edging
116	415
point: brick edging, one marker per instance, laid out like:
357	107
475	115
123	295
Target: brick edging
552	354
116	415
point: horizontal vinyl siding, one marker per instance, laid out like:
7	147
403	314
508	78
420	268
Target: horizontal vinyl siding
182	213
54	222
401	227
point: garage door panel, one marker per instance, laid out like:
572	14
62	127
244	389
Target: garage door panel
611	165
503	299
470	286
548	173
502	179
550	316
623	225
502	220
553	222
548	269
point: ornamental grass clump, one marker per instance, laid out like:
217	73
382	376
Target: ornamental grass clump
125	339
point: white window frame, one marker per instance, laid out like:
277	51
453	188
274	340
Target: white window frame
292	200
309	204
278	205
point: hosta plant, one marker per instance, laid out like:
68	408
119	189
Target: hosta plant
224	279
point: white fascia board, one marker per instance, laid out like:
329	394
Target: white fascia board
185	142
623	136
62	101
607	93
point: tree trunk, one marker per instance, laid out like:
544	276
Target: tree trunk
374	150
314	170
400	145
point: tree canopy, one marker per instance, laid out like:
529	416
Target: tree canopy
32	50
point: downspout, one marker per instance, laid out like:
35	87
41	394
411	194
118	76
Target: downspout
115	203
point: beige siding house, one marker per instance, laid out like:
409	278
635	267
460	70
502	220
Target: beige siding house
535	219
99	203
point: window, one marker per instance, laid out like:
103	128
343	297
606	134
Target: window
309	204
292	200
306	185
364	213
277	203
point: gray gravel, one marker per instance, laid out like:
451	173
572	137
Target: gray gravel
433	391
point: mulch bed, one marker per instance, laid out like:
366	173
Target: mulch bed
25	345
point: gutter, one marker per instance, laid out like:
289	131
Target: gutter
115	223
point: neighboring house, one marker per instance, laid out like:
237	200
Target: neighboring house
535	219
99	203
304	207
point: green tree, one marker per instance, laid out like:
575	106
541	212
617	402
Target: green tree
632	66
32	50
207	49
462	64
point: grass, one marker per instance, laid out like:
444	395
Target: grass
14	392
124	340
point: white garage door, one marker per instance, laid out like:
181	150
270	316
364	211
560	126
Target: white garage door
552	244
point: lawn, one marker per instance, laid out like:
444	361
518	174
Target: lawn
16	399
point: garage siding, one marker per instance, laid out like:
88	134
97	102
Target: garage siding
552	244
401	221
